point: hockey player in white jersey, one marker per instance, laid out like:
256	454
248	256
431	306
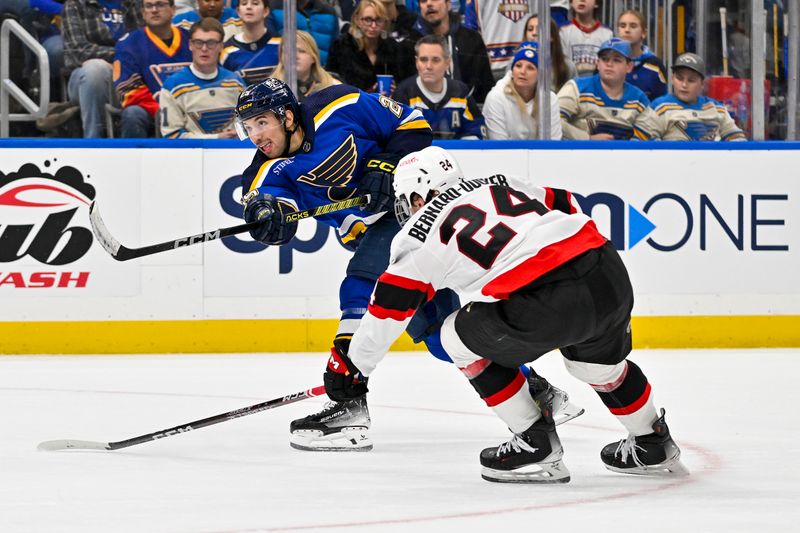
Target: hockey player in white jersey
537	275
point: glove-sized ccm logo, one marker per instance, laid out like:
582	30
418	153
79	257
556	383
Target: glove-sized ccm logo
383	165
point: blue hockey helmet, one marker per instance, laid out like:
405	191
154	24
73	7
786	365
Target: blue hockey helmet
270	96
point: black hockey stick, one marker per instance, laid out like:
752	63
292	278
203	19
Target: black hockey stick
69	444
122	253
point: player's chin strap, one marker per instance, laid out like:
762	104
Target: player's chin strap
289	134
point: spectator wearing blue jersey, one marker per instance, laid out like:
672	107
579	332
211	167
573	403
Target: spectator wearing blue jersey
313	16
366	49
143	60
253	53
446	104
512	109
213	9
91	29
311	77
649	73
199	100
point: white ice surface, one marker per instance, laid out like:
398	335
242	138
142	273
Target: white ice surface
733	413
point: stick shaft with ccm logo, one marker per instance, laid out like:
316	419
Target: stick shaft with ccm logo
123	253
72	444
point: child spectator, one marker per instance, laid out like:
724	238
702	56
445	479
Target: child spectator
605	106
686	115
649	73
583	37
445	103
562	69
365	49
253	53
512	109
469	58
91	30
199	101
211	8
313	16
143	60
311	77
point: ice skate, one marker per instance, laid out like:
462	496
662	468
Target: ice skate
533	456
339	427
652	454
544	392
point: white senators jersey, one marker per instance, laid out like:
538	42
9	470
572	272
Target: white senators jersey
480	238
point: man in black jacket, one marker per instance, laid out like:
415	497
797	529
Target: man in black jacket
470	61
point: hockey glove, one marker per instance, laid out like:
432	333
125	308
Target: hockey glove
343	381
376	180
265	208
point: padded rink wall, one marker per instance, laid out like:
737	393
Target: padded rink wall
709	233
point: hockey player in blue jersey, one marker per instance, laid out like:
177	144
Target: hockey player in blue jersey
340	143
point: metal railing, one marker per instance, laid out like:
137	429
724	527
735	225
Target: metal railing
10	89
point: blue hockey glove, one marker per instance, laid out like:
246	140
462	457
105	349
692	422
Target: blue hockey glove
343	381
376	180
265	208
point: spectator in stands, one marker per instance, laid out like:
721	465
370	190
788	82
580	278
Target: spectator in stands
562	69
499	27
144	59
469	58
313	16
253	53
401	28
649	73
366	50
605	106
49	14
311	77
214	9
559	12
446	103
91	28
512	109
199	100
583	37
687	115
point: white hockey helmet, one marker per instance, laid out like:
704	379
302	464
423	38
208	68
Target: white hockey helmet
430	169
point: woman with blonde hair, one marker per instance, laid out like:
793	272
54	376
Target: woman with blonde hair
511	109
311	77
366	49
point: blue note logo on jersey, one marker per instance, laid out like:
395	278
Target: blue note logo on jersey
336	171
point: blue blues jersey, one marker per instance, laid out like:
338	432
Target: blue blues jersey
229	19
342	126
648	74
252	61
455	116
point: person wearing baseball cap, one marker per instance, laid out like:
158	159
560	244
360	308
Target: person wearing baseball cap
687	115
605	106
511	108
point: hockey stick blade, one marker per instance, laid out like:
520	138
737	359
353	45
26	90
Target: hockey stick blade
123	253
74	444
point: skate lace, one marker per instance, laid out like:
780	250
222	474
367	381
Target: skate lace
628	447
516	444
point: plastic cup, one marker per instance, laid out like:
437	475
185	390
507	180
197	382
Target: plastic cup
385	84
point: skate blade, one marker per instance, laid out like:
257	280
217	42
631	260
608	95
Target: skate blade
540	473
347	440
670	468
567	412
